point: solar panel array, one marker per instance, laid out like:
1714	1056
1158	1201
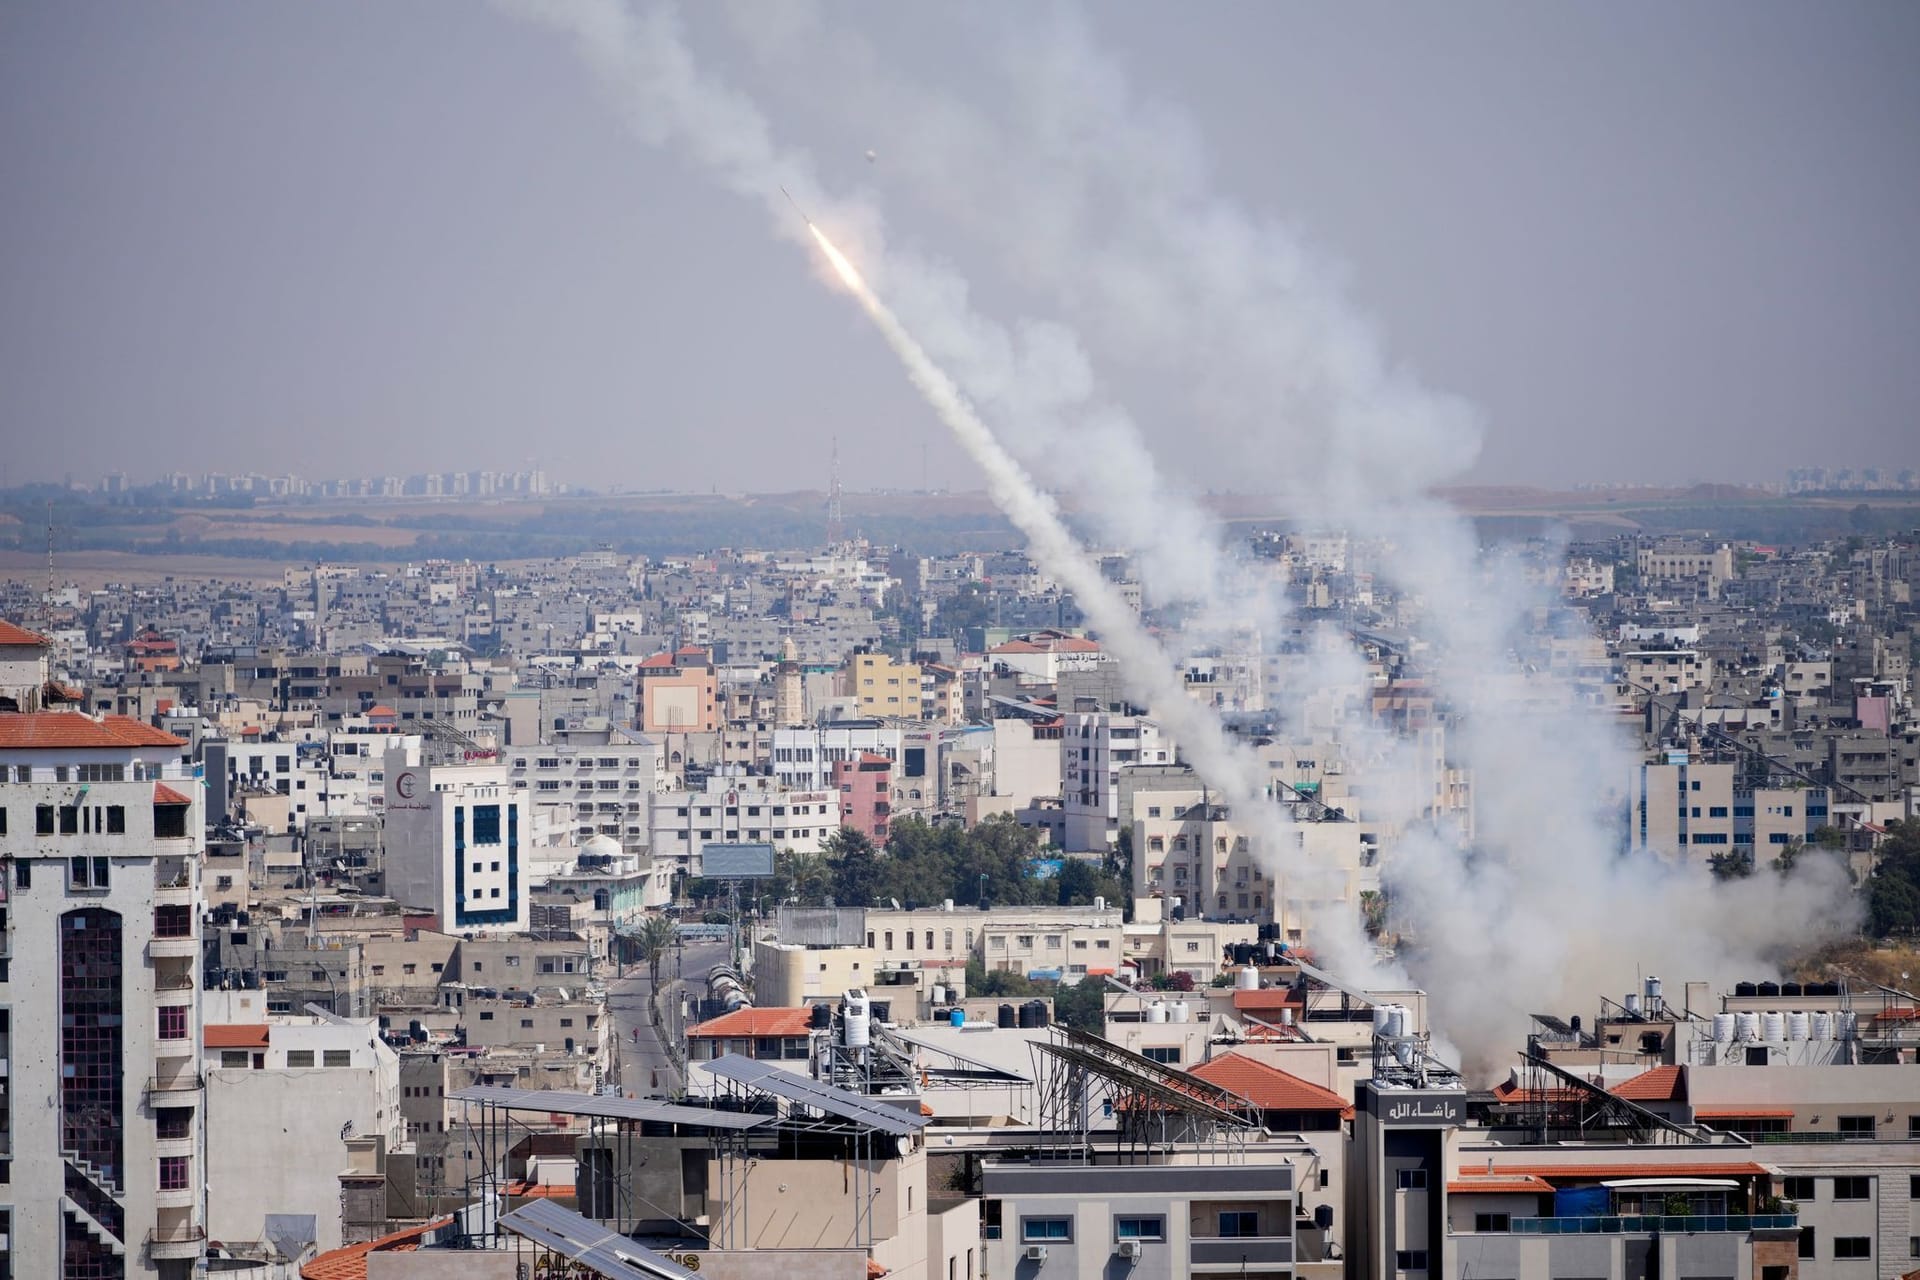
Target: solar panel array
584	1240
567	1102
842	1104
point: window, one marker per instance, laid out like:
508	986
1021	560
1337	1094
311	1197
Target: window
173	1123
1044	1229
116	820
1799	1190
1140	1228
86	873
1239	1223
174	1173
43	820
1412	1259
1809	1242
1410	1179
299	1057
173	1022
69	820
1856	1126
337	1058
1913	1186
1852	1188
233	1058
1486	1222
1853	1246
1168	1054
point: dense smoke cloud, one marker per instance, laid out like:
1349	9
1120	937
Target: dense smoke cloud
1103	203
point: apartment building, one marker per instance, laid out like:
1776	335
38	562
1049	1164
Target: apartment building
803	758
883	687
736	810
100	836
866	795
1094	750
603	788
678	692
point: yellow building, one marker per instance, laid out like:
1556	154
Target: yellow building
887	688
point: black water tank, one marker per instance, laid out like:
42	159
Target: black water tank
820	1017
1745	989
1768	989
1323	1216
1029	1016
1006	1016
1574	1023
1790	989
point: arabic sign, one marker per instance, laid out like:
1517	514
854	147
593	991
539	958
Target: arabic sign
1417	1107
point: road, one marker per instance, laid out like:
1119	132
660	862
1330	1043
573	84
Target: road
646	1068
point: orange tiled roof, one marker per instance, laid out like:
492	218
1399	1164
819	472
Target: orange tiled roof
755	1022
1508	1184
40	730
1267	999
1268	1088
1662	1084
164	794
350	1263
235	1035
10	634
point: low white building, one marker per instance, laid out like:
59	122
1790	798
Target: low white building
290	1093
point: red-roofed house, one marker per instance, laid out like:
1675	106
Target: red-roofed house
350	1263
1043	655
753	1033
1287	1103
24	672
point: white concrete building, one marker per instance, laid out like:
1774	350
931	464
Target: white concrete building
602	789
100	848
458	843
1094	748
290	1093
736	811
803	758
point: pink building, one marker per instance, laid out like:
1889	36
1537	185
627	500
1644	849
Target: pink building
866	794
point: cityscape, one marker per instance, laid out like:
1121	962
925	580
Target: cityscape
1320	828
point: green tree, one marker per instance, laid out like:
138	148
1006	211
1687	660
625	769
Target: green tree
1893	896
1082	1006
657	934
857	876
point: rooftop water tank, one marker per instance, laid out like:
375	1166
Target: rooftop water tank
1746	1026
1006	1017
1744	990
1247	979
1844	1025
856	1027
1790	989
1723	1027
1797	1025
1157	1011
957	1018
1768	989
820	1017
1179	1011
1396	1020
1632	1004
1822	1026
1773	1026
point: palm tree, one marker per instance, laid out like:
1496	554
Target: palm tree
808	875
656	935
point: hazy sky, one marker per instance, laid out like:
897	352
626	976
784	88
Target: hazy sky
1651	242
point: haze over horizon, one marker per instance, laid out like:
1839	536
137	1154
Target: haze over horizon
369	239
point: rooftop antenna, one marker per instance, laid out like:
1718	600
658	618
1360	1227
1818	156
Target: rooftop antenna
835	515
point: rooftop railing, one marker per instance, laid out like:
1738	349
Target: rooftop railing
1666	1224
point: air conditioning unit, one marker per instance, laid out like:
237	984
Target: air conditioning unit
1036	1253
1129	1249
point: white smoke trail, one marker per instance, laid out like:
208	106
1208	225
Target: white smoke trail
1034	378
1104	201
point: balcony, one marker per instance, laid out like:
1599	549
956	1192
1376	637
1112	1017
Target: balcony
172	1050
1235	1251
175	1244
1738	1223
168	1089
174	1197
172	991
173	882
186	948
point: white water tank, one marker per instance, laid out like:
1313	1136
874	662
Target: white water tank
1157	1011
1382	1019
1099	904
1773	1026
1632	1003
1844	1025
1179	1011
1723	1027
938	995
1797	1025
1286	1016
1654	1004
1248	979
946	904
1822	1028
856	1022
1746	1026
1396	1020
